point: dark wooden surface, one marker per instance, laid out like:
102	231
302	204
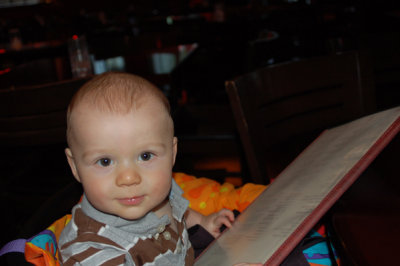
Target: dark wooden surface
35	115
279	109
32	141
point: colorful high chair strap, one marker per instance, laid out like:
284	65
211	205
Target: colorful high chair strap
17	245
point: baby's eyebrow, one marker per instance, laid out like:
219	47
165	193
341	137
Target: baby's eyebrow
91	153
157	145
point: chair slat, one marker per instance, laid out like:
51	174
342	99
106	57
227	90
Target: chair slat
281	105
36	115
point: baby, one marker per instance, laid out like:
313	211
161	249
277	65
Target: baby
121	148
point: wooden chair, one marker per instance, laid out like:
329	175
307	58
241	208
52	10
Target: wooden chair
281	108
32	141
35	115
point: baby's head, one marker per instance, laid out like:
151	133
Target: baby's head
121	144
114	93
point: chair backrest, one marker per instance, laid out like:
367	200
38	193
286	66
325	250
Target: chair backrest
290	103
33	116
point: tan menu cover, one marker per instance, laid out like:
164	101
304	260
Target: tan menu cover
282	215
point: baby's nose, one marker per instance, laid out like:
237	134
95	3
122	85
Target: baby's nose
128	177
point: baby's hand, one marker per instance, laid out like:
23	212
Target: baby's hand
214	221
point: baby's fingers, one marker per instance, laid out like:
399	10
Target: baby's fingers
223	220
227	213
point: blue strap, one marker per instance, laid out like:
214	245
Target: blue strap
17	245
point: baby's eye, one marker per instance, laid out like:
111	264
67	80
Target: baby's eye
145	156
104	162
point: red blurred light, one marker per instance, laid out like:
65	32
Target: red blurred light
2	51
6	70
75	37
158	43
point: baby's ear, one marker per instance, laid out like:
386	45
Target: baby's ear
174	149
72	164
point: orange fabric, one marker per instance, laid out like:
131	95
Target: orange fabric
208	196
44	257
39	256
59	225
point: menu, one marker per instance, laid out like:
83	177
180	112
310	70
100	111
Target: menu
268	230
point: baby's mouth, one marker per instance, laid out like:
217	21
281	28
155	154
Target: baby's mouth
131	201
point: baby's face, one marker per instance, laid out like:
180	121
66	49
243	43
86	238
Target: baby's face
124	162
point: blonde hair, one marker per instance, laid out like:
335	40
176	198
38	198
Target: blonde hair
116	93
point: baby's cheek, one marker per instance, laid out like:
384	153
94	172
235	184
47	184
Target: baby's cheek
97	194
163	186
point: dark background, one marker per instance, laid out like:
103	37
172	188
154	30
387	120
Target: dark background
250	34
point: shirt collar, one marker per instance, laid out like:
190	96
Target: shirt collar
148	224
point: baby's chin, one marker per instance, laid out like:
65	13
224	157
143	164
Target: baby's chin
132	216
164	208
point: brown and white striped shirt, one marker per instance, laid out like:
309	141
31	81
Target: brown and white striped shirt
96	238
